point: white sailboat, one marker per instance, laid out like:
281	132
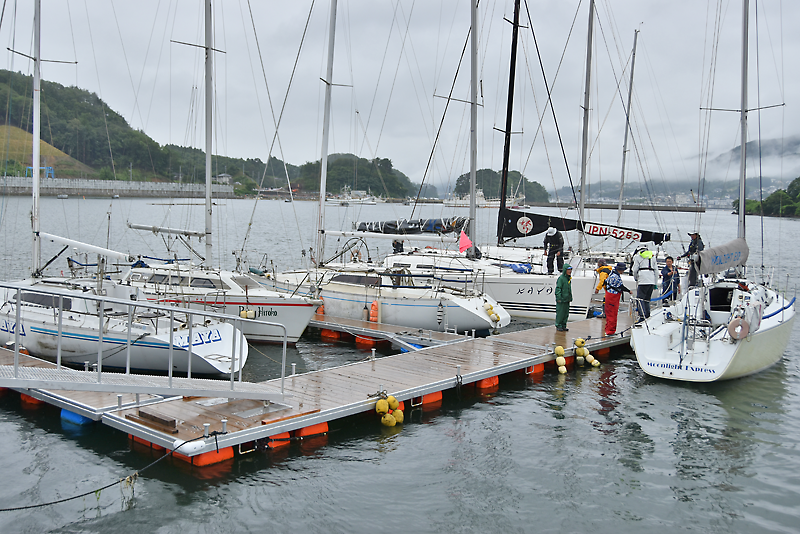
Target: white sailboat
730	327
53	319
523	288
353	290
223	291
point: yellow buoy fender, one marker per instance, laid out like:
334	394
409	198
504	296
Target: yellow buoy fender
559	350
595	363
561	361
579	360
590	358
382	406
562	369
393	403
580	342
388	420
398	416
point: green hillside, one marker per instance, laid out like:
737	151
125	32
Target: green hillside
489	181
73	123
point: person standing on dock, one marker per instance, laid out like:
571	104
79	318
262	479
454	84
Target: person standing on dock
554	248
603	271
644	272
696	245
614	290
563	298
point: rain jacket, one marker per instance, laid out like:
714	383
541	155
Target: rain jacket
564	286
645	268
602	273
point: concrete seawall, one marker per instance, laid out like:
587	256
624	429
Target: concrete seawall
22	185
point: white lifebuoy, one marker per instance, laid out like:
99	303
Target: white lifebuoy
738	328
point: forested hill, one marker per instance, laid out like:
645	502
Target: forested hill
489	181
72	122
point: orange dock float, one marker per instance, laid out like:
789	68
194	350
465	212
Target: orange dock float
204	431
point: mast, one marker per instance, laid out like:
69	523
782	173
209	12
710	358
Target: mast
209	100
473	117
507	133
585	139
37	244
326	121
743	125
627	128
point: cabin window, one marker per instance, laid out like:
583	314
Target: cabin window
429	267
48	301
245	282
158	279
135	277
357	279
207	283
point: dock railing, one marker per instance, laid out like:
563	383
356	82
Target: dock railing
135	309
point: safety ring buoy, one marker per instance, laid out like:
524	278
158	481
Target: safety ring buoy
738	328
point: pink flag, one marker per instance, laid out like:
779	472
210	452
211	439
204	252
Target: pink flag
463	242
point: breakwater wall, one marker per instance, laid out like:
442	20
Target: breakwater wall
22	185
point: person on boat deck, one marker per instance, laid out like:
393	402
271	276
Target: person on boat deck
603	270
614	290
563	298
397	246
554	248
670	280
644	272
695	245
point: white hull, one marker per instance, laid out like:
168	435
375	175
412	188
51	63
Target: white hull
150	338
427	309
530	296
231	294
663	349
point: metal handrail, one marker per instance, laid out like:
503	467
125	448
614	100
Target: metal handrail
131	305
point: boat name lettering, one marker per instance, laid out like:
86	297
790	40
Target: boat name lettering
198	338
8	326
261	312
617	233
547	290
681	367
725	259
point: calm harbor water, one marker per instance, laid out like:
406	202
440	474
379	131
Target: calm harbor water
601	449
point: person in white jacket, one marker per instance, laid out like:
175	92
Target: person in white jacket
646	276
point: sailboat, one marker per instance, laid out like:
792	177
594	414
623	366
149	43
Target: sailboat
521	286
53	318
728	328
223	291
396	296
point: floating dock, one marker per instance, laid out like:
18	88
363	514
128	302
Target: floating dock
208	430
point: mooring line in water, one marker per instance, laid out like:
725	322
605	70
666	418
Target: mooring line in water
130	479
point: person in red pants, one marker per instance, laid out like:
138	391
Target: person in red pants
614	290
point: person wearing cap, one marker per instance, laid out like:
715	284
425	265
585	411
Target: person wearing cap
563	298
695	245
603	270
614	290
554	248
644	272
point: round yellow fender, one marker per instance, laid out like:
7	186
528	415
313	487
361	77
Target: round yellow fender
382	406
388	420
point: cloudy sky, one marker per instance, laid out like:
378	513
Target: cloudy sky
396	59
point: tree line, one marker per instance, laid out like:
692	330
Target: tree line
489	181
781	203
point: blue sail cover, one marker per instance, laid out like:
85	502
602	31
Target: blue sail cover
512	224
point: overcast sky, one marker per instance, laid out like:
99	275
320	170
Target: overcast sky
395	58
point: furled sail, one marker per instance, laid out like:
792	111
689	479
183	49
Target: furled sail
414	226
717	259
513	224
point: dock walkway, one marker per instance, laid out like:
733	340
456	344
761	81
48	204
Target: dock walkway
316	398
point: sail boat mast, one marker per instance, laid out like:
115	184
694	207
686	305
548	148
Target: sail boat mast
473	115
509	113
743	125
627	128
35	163
585	139
208	103
326	121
